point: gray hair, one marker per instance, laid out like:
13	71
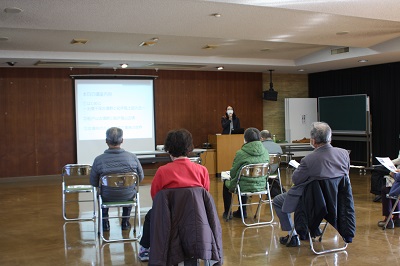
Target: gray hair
321	132
251	134
114	136
265	134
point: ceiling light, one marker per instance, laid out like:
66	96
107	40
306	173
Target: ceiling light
220	68
151	42
363	61
124	65
13	10
217	15
209	46
300	70
79	41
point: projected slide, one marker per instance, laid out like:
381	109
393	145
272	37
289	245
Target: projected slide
104	103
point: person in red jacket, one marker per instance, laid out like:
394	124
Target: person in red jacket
181	172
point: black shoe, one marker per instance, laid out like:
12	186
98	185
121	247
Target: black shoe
294	242
106	226
225	214
238	214
125	225
390	224
378	198
396	222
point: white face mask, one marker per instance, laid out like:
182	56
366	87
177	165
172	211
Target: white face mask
229	112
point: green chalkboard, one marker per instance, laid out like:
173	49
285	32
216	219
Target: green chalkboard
346	113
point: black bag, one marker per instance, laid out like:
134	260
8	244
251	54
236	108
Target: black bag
275	188
377	179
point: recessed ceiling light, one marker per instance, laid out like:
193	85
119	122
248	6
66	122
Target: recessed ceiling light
217	15
363	61
79	41
13	10
151	42
124	65
300	70
209	46
220	68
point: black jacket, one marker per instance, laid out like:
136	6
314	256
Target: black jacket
329	199
184	224
225	123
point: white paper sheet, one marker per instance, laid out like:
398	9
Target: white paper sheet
294	163
385	161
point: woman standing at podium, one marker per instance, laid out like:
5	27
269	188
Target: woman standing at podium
229	121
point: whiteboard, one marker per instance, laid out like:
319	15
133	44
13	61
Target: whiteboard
300	113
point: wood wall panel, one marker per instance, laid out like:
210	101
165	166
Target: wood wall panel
37	111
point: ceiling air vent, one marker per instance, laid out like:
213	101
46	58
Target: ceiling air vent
175	66
340	50
67	64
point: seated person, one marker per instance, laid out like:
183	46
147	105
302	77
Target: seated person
251	152
324	162
181	172
393	189
115	160
378	181
269	144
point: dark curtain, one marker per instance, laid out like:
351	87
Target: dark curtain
382	84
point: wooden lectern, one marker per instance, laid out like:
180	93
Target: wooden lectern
226	147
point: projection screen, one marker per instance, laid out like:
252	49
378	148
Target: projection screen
101	103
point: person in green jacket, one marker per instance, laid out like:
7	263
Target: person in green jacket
252	151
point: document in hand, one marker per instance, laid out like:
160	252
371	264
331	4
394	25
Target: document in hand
385	161
294	163
225	175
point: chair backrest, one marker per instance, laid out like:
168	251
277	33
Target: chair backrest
254	170
274	163
76	169
195	159
120	180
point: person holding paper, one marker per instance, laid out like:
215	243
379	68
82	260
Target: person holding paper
229	121
392	187
324	162
252	151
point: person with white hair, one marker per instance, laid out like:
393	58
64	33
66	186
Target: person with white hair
115	160
324	162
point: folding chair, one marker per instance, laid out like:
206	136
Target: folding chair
253	171
118	181
195	160
274	171
75	180
396	198
318	193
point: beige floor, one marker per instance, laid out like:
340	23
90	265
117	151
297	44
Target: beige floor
33	232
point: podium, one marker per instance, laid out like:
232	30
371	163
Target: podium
226	147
